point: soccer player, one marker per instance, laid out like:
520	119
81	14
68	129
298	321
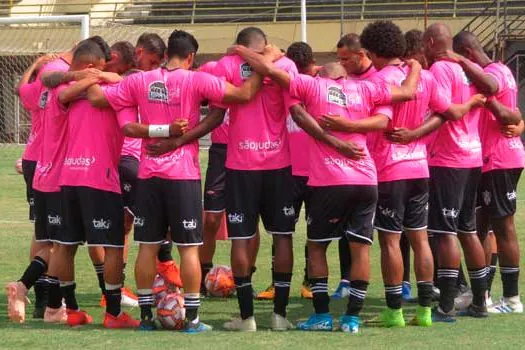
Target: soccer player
258	182
503	159
168	190
402	172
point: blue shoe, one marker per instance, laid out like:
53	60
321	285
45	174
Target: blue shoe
199	327
406	291
342	291
147	325
317	322
439	316
349	324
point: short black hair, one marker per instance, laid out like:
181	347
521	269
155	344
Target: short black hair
350	41
152	42
466	40
181	44
103	46
88	51
384	38
248	35
414	42
126	51
301	54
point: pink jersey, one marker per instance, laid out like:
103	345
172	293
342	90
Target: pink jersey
399	162
457	143
258	139
93	148
500	152
220	133
366	75
349	98
131	147
162	96
299	141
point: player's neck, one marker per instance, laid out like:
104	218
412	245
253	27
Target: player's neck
176	63
383	62
483	60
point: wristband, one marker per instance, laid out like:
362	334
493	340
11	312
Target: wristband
155	131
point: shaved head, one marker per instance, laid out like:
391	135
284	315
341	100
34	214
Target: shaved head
333	70
465	42
437	38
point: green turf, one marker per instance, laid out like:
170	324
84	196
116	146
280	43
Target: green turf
15	233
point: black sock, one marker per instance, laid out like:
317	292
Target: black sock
113	299
393	295
321	300
99	270
244	295
273	262
509	279
478	281
68	292
205	268
424	293
146	300
305	279
191	304
462	280
357	296
405	252
54	296
344	259
41	289
448	279
492	271
33	272
282	282
165	251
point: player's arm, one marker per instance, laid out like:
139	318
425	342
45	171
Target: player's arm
406	136
144	131
512	130
72	92
96	97
338	123
263	64
458	111
32	69
504	115
244	93
53	79
213	119
407	90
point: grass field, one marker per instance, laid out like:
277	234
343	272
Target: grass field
15	234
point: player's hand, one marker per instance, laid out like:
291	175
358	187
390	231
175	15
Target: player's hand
449	55
231	50
413	64
162	146
45	59
334	123
478	100
273	52
401	135
90	73
351	150
512	130
110	78
179	127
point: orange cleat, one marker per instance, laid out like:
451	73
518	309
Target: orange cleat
55	315
267	294
78	318
170	272
122	321
16	301
129	299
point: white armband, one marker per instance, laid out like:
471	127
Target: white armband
159	131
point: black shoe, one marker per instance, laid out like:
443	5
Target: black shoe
147	325
474	311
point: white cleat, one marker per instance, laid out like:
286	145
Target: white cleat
128	301
238	324
507	306
280	323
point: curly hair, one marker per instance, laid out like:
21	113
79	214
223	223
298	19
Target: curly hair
301	54
414	40
384	39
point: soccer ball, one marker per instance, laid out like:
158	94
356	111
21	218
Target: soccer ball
18	166
171	312
219	281
162	288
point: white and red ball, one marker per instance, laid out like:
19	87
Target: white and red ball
219	281
18	166
162	288
171	311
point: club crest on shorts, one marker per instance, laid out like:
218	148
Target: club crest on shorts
246	71
486	197
157	92
336	96
511	196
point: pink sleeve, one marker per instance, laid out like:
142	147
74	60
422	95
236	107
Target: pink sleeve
209	87
438	101
302	88
377	93
385	110
497	75
122	95
127	115
442	79
223	70
29	94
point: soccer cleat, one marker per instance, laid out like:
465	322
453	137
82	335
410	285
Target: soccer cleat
199	327
423	317
280	323
406	292
147	325
342	291
78	318
267	294
238	324
439	315
507	306
349	324
389	318
170	272
317	322
474	311
436	293
122	321
129	299
462	301
306	291
38	312
16	301
55	315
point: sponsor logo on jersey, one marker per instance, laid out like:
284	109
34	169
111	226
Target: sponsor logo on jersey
79	162
157	92
336	96
247	145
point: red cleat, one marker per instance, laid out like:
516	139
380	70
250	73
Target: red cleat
78	318
122	321
170	272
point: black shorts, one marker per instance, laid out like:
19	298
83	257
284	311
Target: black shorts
268	193
28	169
452	200
300	195
346	210
128	169
93	216
48	216
402	205
214	185
173	204
498	192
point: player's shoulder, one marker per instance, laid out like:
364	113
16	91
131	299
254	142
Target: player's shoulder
286	64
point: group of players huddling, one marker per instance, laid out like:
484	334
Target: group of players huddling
399	135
